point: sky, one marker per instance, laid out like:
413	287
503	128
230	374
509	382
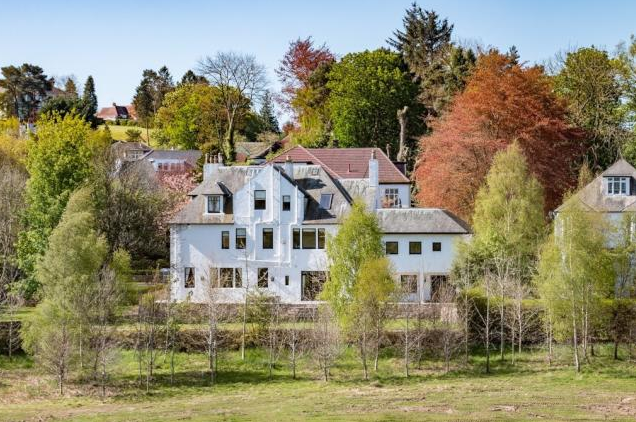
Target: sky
116	40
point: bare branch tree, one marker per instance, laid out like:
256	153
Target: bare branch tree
240	80
325	340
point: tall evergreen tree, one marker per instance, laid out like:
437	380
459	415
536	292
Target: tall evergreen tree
25	89
267	114
89	100
70	88
424	45
192	78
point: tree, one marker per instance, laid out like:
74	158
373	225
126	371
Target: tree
70	87
59	161
267	115
297	66
590	82
62	105
502	103
89	101
26	87
366	91
574	274
325	339
366	316
192	78
425	45
359	239
192	117
240	80
150	93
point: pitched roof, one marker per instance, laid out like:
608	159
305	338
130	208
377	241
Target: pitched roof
420	220
594	197
117	111
190	156
346	163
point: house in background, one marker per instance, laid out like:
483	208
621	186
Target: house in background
256	152
117	112
265	227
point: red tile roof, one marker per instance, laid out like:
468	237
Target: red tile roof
346	163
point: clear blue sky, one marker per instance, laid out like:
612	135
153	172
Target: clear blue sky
115	40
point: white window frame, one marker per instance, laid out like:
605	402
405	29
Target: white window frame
207	204
391	198
617	185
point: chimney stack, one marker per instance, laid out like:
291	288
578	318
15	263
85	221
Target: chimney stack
374	171
289	167
211	165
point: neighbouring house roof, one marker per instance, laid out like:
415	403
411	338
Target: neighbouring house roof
594	197
346	163
421	221
121	147
117	112
246	151
190	156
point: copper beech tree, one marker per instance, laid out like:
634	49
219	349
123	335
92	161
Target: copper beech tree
503	102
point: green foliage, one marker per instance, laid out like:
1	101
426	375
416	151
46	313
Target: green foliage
133	135
311	105
575	270
267	114
62	105
366	91
25	89
590	82
89	101
59	160
508	220
358	241
192	116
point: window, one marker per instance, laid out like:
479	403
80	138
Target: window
409	283
391	248
286	202
263	277
391	198
617	185
225	240
260	200
440	288
286	280
296	238
214	204
189	278
415	248
311	284
309	238
321	238
437	246
225	277
268	238
238	277
325	201
241	237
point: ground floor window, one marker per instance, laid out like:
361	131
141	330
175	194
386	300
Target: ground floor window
440	289
189	278
263	277
226	278
409	283
312	282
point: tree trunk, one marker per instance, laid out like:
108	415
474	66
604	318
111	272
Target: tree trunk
403	120
487	330
244	325
406	344
363	353
577	363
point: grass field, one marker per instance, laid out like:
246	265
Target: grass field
530	390
119	133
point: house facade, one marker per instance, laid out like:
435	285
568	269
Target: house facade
266	226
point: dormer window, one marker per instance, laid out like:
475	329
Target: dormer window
617	185
214	204
391	198
325	201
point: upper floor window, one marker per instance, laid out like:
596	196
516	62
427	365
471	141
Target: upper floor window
268	238
260	200
214	203
296	238
415	248
225	240
309	238
391	248
241	238
437	246
391	198
286	202
617	185
325	201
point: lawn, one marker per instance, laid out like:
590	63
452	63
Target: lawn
119	133
530	390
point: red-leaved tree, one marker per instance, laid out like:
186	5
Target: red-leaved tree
503	102
300	60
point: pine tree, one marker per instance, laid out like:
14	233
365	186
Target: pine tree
70	88
267	115
89	100
424	44
192	78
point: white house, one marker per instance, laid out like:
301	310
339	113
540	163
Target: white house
266	226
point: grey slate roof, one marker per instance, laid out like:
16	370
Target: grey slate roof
190	156
420	220
594	197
